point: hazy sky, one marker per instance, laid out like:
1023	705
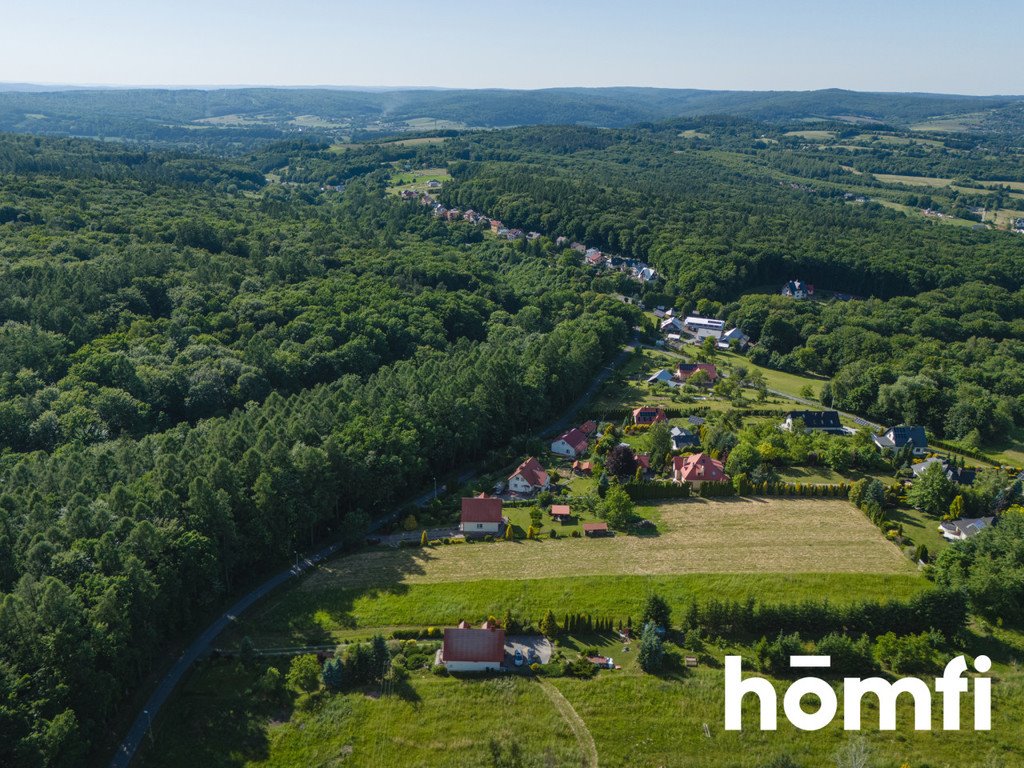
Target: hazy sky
890	45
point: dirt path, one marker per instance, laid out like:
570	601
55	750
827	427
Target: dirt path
574	721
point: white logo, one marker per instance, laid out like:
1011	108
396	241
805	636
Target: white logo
950	685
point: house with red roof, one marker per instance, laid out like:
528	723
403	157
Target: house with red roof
571	444
588	427
686	370
529	477
582	467
648	414
481	515
466	649
561	513
696	469
596	529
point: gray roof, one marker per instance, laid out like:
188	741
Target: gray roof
817	419
899	436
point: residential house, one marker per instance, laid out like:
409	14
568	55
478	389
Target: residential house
819	421
481	515
646	275
671	325
515	234
596	529
582	467
734	336
532	235
648	414
588	427
662	377
964	528
954	473
683	438
561	241
433	184
466	649
496	226
579	247
896	438
698	468
572	444
797	289
529	477
686	370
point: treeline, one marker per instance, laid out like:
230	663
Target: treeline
949	359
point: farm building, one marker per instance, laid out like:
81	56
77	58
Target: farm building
561	513
596	529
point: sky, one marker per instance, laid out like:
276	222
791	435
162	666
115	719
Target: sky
896	45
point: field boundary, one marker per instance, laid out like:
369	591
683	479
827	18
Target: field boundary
574	721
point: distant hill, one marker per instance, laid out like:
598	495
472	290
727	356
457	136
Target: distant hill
244	115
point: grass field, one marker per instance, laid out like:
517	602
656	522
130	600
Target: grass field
416	179
914	181
819	135
692	134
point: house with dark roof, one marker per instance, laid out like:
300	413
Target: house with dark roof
481	515
797	289
596	529
953	472
571	444
820	421
466	649
588	427
529	477
896	438
698	468
683	438
648	414
964	528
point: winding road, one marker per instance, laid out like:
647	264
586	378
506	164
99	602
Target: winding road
142	724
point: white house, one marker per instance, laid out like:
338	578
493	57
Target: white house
964	528
481	515
571	444
529	477
895	438
727	339
671	325
466	649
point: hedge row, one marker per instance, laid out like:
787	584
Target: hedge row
666	489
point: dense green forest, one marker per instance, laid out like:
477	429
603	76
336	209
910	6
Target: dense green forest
208	361
199	378
939	341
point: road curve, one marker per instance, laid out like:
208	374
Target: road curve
129	746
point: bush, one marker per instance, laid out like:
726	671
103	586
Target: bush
439	669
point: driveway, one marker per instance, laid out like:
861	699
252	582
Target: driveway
393	539
540	646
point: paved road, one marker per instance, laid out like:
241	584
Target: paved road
202	644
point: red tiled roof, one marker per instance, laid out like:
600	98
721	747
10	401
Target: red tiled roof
595	526
532	472
588	427
481	510
582	466
648	414
560	510
699	466
576	440
474	645
686	370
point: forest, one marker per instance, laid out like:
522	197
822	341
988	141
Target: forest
211	361
198	380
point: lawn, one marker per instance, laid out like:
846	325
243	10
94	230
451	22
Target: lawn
775	535
816	135
619	718
913	181
416	179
